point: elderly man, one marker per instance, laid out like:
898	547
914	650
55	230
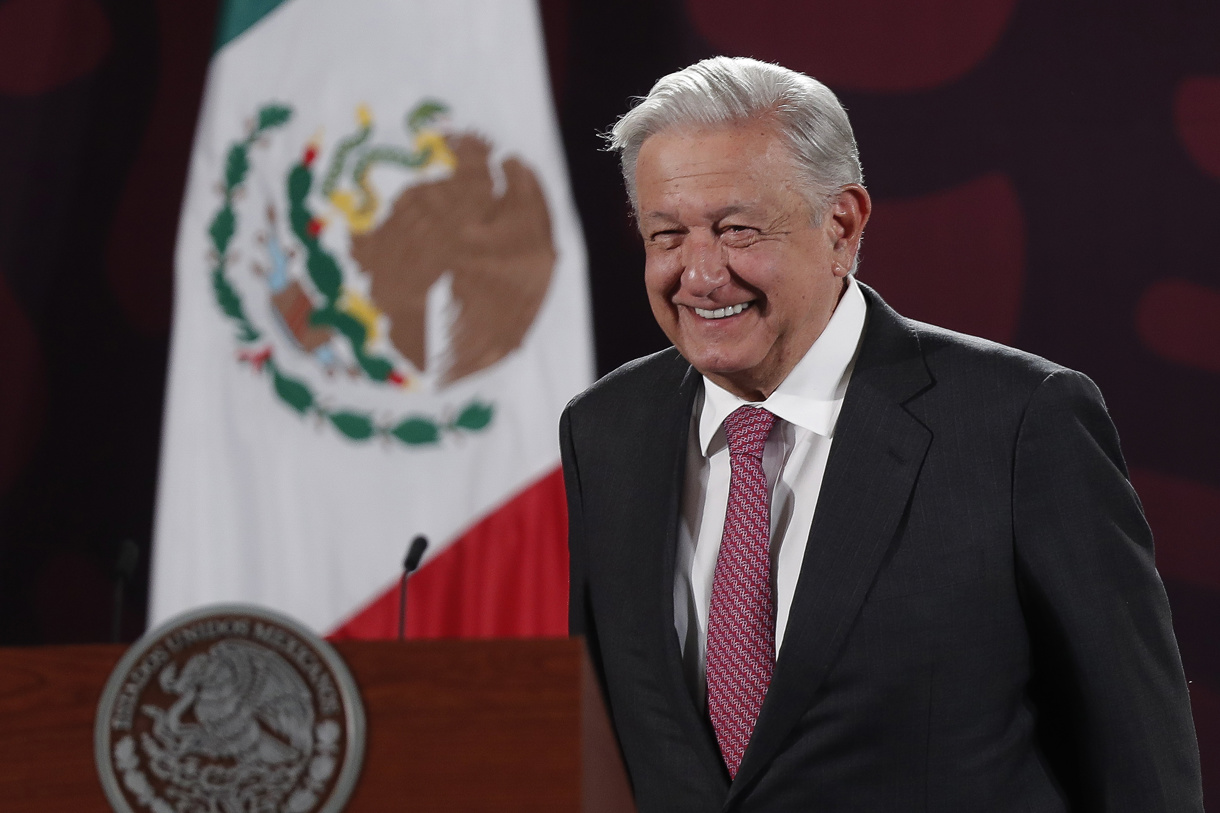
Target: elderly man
830	559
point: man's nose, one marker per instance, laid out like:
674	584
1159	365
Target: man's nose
704	266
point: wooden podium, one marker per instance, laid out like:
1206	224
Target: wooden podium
498	725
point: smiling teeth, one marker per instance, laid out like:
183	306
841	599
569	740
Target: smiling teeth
720	313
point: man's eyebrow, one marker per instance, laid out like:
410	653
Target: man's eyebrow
726	211
656	216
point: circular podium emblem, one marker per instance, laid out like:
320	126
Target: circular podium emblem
229	708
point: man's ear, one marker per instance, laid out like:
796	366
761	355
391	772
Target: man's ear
848	215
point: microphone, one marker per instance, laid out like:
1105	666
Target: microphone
414	553
124	570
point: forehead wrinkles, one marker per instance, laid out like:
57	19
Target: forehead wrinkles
712	195
710	191
675	157
743	147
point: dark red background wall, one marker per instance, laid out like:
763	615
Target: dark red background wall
1045	174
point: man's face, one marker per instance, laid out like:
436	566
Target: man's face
738	276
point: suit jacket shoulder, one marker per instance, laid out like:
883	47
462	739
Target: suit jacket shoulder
950	357
636	381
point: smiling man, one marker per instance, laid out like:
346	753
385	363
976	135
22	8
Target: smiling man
742	271
827	558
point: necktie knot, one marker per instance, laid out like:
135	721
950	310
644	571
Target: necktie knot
747	429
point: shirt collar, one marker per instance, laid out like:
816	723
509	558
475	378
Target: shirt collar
812	394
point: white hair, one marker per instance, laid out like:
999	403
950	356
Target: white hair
725	90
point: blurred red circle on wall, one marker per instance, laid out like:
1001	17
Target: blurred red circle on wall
881	45
955	257
47	43
1196	115
1179	320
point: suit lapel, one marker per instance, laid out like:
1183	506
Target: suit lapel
872	469
693	719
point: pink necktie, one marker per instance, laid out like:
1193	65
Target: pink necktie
741	621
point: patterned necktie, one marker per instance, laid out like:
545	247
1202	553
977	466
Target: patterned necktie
741	621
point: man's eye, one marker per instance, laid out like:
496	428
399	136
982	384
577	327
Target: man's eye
736	235
667	238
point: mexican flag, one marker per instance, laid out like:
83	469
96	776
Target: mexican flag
380	311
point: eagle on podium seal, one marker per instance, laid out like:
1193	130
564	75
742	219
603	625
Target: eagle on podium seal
229	709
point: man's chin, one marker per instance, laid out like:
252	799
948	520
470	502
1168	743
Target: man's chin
715	365
738	378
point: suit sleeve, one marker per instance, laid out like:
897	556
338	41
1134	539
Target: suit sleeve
1114	713
580	615
577	620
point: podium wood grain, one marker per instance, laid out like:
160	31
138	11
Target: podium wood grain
501	725
48	697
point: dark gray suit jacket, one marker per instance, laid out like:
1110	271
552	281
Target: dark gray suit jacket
977	626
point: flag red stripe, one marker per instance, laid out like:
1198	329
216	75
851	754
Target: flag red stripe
506	577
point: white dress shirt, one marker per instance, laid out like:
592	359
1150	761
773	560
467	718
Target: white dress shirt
807	404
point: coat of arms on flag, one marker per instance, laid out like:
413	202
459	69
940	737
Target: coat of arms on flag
412	291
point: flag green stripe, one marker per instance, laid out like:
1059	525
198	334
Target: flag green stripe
237	15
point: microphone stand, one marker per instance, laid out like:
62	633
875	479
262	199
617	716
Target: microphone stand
414	553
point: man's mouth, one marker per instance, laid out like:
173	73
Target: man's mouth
721	313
